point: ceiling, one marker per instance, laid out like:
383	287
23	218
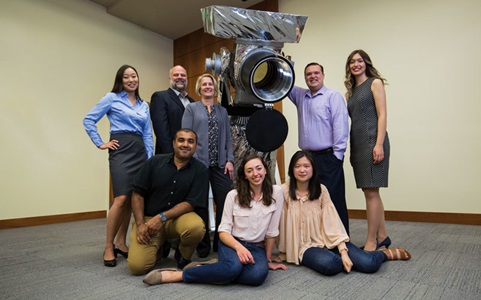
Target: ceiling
171	19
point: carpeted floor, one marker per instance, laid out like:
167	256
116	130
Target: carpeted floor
64	261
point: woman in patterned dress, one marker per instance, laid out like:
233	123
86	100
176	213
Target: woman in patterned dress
369	141
210	122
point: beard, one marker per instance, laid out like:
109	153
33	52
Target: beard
178	85
184	155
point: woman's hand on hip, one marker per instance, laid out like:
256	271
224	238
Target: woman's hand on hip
113	145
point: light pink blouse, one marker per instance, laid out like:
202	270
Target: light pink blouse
305	224
253	224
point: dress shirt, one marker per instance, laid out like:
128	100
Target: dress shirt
305	224
124	118
163	186
323	120
253	224
183	98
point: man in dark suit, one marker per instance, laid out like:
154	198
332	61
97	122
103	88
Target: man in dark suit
167	108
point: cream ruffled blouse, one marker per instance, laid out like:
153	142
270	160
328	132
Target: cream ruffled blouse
305	224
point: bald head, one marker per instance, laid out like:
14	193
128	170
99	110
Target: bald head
178	78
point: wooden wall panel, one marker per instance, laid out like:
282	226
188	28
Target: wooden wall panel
193	41
191	50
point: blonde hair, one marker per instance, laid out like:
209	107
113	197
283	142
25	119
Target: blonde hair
198	84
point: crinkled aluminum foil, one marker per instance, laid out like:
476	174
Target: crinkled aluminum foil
239	23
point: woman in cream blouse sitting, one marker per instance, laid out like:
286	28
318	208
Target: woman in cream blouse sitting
311	232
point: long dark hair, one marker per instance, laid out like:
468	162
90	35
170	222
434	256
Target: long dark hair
314	183
242	184
118	83
350	81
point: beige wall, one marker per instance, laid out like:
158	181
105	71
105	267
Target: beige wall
58	58
430	53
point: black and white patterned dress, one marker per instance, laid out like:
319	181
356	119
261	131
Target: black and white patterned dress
213	134
362	111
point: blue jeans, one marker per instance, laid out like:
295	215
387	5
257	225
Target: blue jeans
229	269
329	262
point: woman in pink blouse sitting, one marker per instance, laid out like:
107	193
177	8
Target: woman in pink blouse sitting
248	231
311	232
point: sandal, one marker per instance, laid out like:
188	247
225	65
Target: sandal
396	254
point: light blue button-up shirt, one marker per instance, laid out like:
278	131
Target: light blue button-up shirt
124	118
323	120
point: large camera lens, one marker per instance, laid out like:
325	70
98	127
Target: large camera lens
267	76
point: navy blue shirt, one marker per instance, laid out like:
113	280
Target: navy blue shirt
163	186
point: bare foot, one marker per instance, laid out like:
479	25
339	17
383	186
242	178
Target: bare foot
122	247
109	253
370	246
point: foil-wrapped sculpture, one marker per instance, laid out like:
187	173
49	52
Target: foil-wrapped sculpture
257	70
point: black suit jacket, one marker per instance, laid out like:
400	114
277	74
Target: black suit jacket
166	112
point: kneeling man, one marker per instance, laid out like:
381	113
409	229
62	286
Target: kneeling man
165	192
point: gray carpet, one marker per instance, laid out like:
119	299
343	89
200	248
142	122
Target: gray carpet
64	261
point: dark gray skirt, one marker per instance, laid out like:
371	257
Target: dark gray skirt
126	161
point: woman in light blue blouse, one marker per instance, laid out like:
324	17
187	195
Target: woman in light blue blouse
130	145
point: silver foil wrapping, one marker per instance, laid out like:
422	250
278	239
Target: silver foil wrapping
241	147
240	23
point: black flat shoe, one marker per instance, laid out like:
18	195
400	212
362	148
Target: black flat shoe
166	249
182	262
112	262
202	253
123	253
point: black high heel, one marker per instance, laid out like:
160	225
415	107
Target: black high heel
385	243
112	262
118	251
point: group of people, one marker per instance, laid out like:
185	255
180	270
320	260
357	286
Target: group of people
131	132
168	192
324	131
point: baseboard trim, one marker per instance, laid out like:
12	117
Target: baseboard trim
405	216
44	220
427	217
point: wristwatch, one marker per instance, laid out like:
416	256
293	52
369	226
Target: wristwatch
163	217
